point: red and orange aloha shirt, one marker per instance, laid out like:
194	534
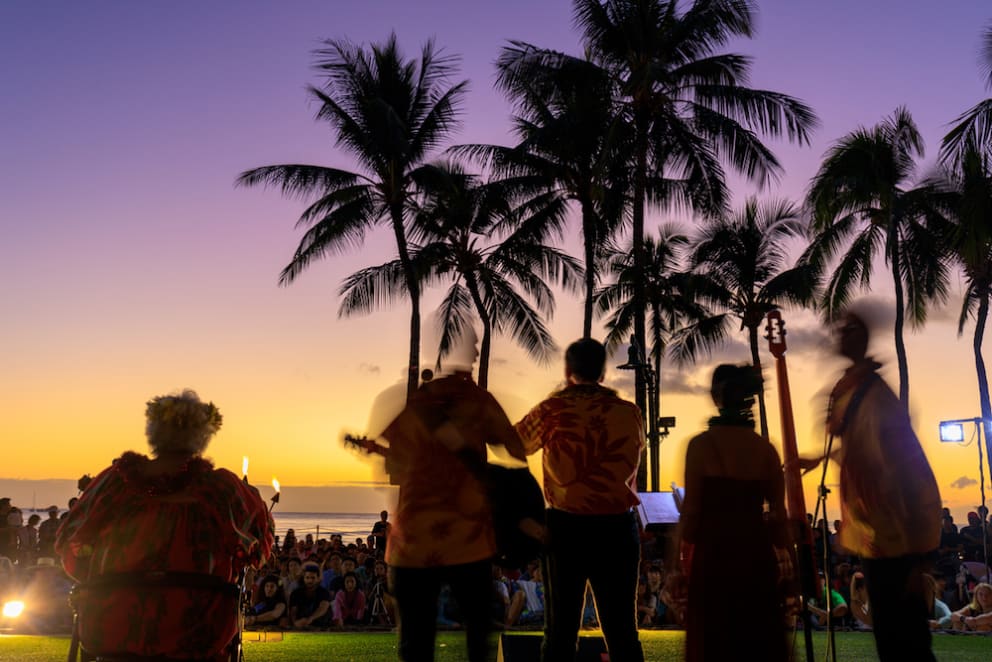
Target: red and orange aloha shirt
443	516
201	520
592	441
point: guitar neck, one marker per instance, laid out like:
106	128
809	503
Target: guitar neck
366	444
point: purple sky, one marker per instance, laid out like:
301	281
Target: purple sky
131	265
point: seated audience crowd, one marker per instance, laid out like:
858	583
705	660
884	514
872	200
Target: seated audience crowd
321	583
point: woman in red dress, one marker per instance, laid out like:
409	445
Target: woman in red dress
142	521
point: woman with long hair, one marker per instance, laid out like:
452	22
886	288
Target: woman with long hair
977	614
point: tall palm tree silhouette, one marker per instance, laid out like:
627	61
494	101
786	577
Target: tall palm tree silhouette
390	113
862	195
689	105
745	258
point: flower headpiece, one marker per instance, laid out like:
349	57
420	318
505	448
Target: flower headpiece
184	411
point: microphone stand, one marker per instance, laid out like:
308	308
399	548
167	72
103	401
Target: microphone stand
821	501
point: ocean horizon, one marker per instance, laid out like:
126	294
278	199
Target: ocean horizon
322	525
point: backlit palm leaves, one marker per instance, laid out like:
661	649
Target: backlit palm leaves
390	114
745	258
862	198
689	104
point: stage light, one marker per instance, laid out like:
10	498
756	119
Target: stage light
952	432
13	609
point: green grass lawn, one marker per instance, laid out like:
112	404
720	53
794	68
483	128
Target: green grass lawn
662	646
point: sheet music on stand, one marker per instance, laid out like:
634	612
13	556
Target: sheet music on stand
660	509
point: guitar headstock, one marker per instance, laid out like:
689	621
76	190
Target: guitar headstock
775	334
361	442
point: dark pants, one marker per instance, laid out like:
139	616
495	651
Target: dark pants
898	608
416	591
577	552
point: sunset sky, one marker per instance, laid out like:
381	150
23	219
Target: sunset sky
132	266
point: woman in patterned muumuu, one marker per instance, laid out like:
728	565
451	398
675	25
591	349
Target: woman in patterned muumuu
158	544
734	606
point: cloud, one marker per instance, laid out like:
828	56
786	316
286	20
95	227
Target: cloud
684	383
963	482
369	368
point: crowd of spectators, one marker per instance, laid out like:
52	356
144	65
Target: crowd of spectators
29	569
958	593
329	583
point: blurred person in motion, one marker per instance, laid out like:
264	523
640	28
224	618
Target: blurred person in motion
890	504
442	529
592	441
158	544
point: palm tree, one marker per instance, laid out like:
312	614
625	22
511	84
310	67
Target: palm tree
569	152
456	224
863	190
973	128
391	114
459	220
689	105
970	240
744	257
679	322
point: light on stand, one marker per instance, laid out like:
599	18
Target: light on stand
244	468
952	432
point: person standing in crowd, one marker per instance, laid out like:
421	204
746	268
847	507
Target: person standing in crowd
890	504
173	513
442	530
592	441
27	541
380	532
8	534
731	474
47	531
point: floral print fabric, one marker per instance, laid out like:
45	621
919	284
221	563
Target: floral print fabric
201	520
592	441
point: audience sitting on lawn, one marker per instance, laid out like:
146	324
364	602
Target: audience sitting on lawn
270	609
349	602
976	615
310	604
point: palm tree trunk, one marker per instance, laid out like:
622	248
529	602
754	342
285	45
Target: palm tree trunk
752	334
487	331
983	380
590	241
893	246
413	287
637	232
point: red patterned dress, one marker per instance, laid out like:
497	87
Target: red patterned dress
127	524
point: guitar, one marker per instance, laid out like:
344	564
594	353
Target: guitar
795	501
366	444
516	500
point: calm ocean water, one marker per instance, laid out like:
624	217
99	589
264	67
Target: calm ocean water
349	525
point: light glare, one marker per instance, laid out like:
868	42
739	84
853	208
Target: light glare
13	609
275	484
244	465
952	432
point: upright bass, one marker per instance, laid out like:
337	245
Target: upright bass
795	502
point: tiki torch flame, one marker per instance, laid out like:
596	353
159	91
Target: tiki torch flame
275	497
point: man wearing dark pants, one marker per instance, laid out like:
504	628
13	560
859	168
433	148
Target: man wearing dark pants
890	503
592	442
443	529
